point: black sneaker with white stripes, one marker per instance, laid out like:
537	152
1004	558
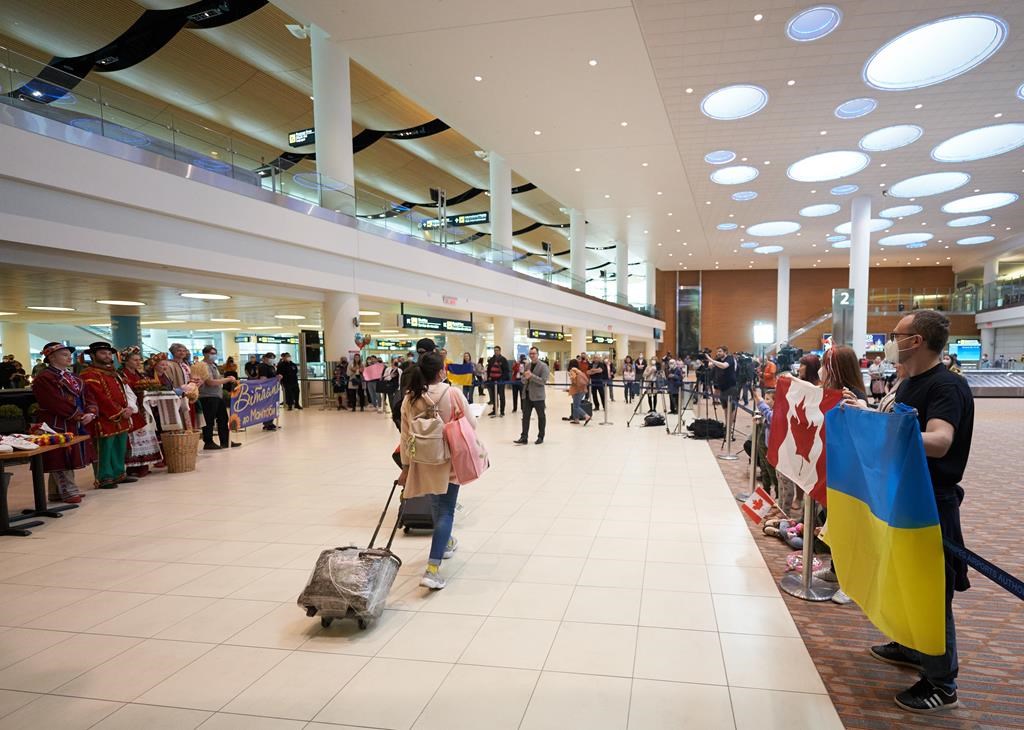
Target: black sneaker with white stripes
893	653
924	697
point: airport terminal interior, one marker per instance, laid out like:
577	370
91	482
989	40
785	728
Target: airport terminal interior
546	344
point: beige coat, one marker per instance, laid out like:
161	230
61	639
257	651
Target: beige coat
427	478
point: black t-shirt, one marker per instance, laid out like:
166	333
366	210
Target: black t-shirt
265	370
725	378
941	394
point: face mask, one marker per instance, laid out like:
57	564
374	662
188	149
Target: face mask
892	351
211	356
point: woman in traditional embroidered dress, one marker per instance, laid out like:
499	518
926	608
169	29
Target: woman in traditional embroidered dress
143	446
61	398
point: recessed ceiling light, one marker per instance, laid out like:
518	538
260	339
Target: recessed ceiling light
478	78
288	316
312	99
643	164
592	62
904	239
389	332
735	175
823	132
900	211
975	240
659	244
744	195
689	90
536	132
623	124
918	106
368	313
719	157
120	302
202	295
816	211
758	18
272	327
670	254
934	52
578	169
933	183
606	195
6	314
971	220
975	203
223	319
813	23
645	230
855	108
891	138
726	226
100	324
162	321
828	166
734	102
678	230
774	228
844	189
874	225
977	144
52	309
659	193
764	250
767	162
218	329
845	243
997	115
707	202
791	82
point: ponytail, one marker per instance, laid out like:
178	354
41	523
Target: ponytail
423	374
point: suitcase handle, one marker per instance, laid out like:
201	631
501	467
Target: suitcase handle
383	514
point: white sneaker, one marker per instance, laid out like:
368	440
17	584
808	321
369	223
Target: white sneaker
841	598
450	548
433	581
16	442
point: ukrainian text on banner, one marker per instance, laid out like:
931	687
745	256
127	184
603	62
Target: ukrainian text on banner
796	444
254	401
883	525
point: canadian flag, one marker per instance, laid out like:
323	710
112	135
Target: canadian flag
758	505
797	444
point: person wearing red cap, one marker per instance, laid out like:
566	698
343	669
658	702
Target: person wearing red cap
64	407
106	390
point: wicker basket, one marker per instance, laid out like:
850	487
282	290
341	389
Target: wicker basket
180	450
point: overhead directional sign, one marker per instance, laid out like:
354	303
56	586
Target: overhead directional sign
602	339
437	324
465	219
302	137
546	335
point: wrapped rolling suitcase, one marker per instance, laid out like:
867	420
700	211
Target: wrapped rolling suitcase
352	582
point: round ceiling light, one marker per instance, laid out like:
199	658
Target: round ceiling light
975	240
719	157
935	52
1020	92
52	309
773	228
919	244
120	302
844	189
202	295
933	183
817	211
744	195
845	243
874	226
975	203
900	211
288	316
855	108
768	249
971	220
977	144
814	23
734	102
836	239
726	226
749	244
904	239
891	138
735	175
828	166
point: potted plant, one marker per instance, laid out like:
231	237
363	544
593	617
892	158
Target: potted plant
12	419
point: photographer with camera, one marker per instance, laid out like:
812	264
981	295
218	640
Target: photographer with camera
724	372
746	374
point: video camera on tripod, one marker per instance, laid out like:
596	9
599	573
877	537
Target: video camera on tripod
788	357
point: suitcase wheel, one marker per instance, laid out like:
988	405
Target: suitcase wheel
406	529
311	611
326	621
363	624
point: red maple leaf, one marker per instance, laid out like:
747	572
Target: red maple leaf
803	432
758	504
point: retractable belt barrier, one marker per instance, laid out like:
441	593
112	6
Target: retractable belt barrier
994	573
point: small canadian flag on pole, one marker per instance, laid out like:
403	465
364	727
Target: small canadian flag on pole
758	505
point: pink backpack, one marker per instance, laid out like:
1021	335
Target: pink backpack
469	457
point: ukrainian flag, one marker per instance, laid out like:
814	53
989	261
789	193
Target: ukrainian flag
883	525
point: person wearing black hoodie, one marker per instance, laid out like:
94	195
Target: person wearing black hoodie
498	373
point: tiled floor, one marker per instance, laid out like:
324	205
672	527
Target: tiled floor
604	580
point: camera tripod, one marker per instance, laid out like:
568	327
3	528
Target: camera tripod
651	389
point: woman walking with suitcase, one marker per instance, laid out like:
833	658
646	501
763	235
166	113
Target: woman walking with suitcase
426	462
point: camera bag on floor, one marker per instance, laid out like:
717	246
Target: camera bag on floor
653	418
707	428
352	582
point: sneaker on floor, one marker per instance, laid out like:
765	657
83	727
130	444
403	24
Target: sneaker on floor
828	576
924	697
742	496
450	548
893	653
841	598
433	581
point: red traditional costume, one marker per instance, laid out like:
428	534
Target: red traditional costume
143	446
105	389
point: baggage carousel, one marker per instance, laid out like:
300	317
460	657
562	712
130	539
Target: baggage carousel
996	383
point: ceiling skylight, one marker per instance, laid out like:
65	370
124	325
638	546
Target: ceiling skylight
844	189
773	228
769	249
828	166
735	175
734	102
977	144
975	203
919	244
975	240
903	239
890	138
813	23
856	108
749	244
933	183
744	195
719	157
816	211
845	243
726	226
874	226
835	239
971	220
1020	92
900	211
935	52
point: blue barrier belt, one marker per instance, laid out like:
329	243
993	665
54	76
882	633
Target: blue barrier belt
993	572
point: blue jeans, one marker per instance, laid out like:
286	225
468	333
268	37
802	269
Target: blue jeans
371	392
577	410
444	518
467	391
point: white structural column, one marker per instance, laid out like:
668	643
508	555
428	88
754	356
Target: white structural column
988	334
651	275
332	109
341	310
14	341
158	341
501	202
505	335
579	341
860	268
622	272
578	249
782	301
621	349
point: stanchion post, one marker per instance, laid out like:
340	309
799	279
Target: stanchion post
754	437
806	586
727	444
604	411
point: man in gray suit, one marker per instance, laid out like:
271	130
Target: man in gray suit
535	377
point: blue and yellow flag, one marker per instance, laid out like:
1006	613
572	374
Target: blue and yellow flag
883	525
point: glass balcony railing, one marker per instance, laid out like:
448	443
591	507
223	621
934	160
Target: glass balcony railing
1002	294
48	92
944	299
